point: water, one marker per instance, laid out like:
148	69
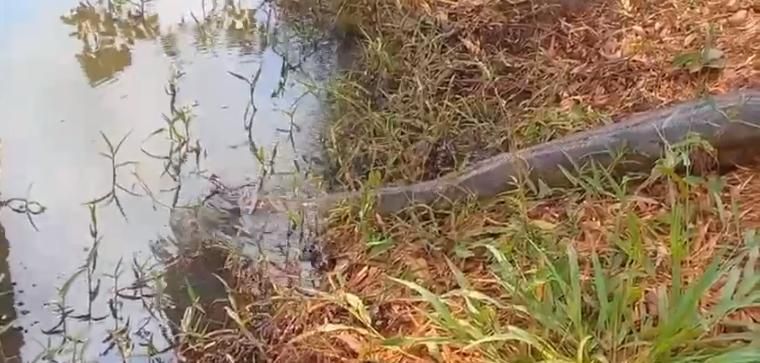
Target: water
65	80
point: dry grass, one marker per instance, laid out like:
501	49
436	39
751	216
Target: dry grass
362	313
525	277
439	84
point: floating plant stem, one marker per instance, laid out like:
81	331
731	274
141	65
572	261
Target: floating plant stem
181	145
249	114
24	206
93	287
111	196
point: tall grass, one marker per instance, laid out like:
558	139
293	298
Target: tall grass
615	303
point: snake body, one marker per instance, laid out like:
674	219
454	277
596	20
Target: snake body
730	122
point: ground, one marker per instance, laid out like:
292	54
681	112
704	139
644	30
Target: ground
649	268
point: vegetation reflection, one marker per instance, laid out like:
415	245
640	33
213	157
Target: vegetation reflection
108	30
107	34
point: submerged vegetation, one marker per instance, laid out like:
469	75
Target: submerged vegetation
142	307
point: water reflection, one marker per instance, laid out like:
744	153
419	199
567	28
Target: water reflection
11	338
109	33
231	24
106	37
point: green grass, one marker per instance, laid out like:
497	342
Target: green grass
566	318
615	304
526	286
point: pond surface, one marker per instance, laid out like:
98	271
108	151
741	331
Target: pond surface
72	76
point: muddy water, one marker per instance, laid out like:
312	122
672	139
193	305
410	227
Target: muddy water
69	73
